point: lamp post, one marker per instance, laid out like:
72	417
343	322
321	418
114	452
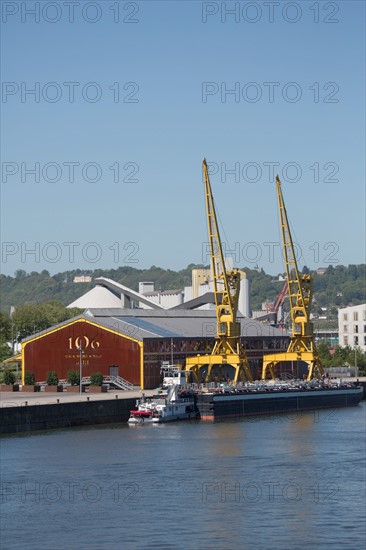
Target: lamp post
12	309
355	361
81	369
171	351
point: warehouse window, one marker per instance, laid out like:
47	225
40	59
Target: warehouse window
345	340
345	317
355	315
356	341
345	328
355	329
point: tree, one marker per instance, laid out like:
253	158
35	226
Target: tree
324	353
5	327
348	356
31	318
20	274
340	356
29	378
52	378
96	379
5	352
356	356
27	320
5	336
73	377
9	377
55	312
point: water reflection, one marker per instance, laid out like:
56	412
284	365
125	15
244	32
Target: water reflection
265	483
229	439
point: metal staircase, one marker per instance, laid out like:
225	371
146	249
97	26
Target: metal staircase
118	381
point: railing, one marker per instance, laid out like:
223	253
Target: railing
117	381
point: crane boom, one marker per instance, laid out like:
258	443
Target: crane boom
280	298
226	282
299	287
227	349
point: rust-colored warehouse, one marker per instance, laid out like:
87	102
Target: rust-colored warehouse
131	343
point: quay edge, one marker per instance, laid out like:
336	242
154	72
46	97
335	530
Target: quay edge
18	419
30	418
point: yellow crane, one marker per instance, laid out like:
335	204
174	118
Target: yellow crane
227	349
302	345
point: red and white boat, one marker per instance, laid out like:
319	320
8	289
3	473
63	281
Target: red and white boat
172	406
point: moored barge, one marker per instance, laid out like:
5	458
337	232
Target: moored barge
226	402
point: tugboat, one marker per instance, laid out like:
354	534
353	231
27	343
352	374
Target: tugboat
173	375
176	404
171	406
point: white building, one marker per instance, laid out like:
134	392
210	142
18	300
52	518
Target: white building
165	299
110	294
82	279
202	284
352	326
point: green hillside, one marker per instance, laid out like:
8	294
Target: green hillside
338	287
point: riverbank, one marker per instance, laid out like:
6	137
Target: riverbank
25	412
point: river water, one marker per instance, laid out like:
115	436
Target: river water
287	482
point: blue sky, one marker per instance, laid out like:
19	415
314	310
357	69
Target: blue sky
166	119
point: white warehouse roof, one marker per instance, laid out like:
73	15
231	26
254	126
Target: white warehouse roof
97	297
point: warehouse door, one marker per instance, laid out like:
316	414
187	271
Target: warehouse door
113	371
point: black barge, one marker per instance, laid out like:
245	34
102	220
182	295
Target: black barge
226	402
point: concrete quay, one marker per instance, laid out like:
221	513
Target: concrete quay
23	399
24	412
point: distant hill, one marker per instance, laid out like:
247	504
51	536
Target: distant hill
338	287
37	287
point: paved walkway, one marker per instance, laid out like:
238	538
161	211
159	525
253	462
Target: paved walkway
22	399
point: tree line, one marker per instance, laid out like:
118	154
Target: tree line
28	319
340	286
341	356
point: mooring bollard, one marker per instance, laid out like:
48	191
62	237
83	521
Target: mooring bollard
58	401
116	396
87	398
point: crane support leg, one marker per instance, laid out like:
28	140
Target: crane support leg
316	370
242	372
270	361
238	362
268	365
